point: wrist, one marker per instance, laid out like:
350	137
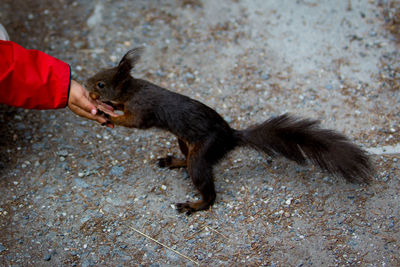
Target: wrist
69	86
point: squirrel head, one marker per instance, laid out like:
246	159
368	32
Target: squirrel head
113	84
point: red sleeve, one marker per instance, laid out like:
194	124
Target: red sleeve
32	79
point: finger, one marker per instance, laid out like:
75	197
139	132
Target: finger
88	104
100	119
83	104
81	112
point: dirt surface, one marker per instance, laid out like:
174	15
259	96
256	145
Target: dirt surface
72	192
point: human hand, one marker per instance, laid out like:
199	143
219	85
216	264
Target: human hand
81	104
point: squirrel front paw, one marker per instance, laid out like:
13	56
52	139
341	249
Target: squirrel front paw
106	116
171	162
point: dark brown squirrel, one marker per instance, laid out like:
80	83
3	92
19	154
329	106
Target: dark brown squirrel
204	137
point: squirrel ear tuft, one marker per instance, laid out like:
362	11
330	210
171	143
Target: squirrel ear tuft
127	63
130	59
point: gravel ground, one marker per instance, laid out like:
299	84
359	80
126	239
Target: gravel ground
72	192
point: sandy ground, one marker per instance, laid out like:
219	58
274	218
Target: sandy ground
72	192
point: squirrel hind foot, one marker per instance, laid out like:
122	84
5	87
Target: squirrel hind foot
184	208
192	207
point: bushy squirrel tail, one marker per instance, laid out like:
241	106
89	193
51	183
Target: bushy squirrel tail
302	139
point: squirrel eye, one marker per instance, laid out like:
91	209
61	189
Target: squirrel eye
100	84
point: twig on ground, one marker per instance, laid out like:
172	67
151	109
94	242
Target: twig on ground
165	246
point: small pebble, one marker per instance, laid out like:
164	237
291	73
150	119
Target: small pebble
62	153
265	76
117	170
47	257
113	58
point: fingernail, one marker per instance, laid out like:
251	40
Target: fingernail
94	111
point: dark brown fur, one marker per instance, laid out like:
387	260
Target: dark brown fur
205	137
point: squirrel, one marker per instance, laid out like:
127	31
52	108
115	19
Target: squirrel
204	137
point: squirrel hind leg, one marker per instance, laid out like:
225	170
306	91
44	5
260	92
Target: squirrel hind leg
201	172
208	196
